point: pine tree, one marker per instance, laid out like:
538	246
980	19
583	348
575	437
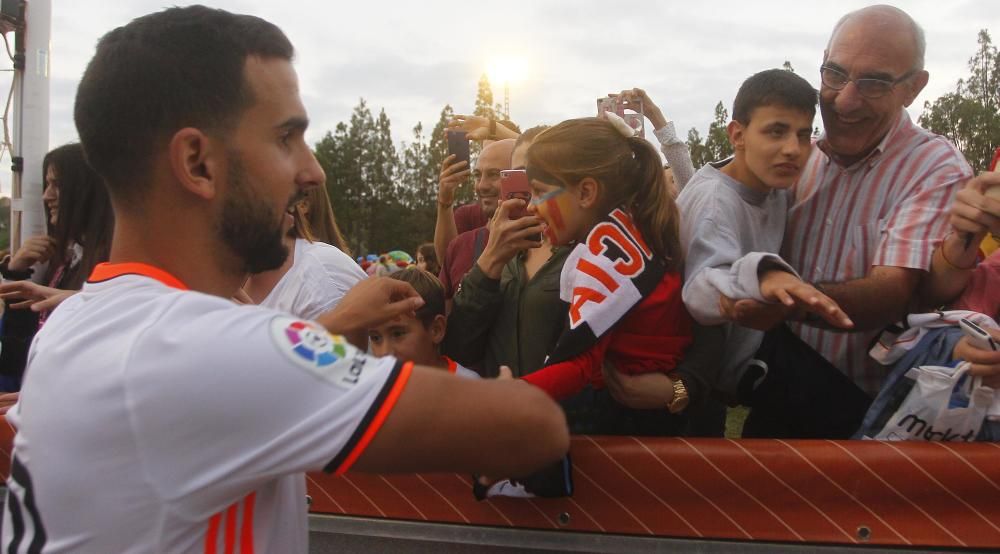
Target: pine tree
484	99
696	147
484	108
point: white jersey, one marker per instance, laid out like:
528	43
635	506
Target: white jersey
319	277
155	419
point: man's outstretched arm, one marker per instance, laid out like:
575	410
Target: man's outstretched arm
446	423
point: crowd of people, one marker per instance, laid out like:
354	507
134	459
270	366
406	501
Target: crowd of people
194	322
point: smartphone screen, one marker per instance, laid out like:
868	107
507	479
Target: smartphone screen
458	144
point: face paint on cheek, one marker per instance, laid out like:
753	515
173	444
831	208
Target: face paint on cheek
550	209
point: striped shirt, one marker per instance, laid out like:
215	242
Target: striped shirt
889	209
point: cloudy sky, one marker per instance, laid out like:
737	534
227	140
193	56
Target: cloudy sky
412	58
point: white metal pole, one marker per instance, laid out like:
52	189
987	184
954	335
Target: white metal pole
31	124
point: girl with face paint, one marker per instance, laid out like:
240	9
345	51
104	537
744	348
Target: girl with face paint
598	186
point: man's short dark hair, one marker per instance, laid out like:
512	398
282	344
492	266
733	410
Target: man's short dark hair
181	67
428	287
773	87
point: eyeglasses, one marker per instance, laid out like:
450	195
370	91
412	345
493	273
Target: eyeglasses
867	87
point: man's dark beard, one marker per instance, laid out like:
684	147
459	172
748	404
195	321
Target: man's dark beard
248	227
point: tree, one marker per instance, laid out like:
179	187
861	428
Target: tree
484	108
716	145
970	116
696	147
484	99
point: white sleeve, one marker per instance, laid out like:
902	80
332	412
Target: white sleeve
249	395
330	275
677	154
715	266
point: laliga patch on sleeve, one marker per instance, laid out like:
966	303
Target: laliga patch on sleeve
311	347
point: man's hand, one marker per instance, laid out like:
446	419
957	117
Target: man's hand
369	303
32	295
33	250
752	313
478	127
508	237
637	100
984	362
644	391
452	176
973	211
780	286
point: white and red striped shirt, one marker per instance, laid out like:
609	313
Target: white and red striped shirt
889	209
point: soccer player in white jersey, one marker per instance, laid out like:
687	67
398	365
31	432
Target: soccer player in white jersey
158	416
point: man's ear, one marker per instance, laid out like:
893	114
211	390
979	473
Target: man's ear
916	84
437	328
196	162
588	192
736	134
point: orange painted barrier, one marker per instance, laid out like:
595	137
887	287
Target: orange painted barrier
839	492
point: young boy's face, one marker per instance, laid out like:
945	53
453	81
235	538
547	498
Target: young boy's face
408	339
774	145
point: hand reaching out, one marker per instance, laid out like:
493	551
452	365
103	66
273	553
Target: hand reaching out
789	290
28	294
369	303
478	127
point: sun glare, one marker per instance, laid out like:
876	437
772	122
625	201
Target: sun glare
506	70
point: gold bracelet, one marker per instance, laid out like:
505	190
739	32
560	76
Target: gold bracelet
951	265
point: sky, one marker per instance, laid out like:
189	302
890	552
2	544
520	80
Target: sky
412	58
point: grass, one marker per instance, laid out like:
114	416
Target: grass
734	421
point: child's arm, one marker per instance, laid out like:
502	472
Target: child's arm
716	266
564	379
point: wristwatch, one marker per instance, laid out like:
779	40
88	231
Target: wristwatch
681	398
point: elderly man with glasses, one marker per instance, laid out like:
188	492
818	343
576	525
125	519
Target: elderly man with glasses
868	211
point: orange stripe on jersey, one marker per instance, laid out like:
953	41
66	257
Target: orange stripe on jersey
452	364
246	531
212	535
231	528
379	419
106	271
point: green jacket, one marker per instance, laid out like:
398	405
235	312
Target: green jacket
512	321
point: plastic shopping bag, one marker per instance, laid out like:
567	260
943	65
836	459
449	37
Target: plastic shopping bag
943	404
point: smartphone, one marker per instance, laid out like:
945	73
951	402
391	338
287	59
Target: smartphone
977	335
514	184
458	144
635	118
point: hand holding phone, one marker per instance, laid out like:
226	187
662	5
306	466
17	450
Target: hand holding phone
978	336
514	185
630	111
